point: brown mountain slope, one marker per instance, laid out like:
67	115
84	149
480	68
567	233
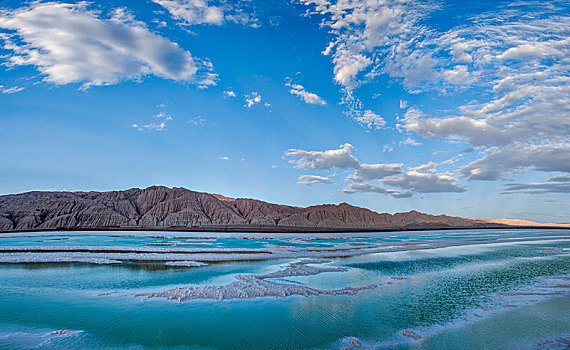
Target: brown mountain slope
166	207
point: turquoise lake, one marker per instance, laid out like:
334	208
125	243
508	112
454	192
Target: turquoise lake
473	289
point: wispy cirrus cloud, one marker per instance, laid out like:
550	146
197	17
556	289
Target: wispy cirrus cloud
372	36
514	59
70	43
555	184
11	90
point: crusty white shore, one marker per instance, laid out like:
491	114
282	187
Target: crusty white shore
255	286
201	255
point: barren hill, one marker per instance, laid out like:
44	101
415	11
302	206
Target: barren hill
159	206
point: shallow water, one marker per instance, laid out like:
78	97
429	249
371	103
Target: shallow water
483	289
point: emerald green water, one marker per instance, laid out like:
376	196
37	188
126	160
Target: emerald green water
449	295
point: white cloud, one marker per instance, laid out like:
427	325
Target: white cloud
458	74
555	184
539	49
387	148
369	188
374	171
308	180
252	99
429	167
229	93
498	162
10	90
224	158
370	120
347	67
198	121
453	159
211	12
403	104
323	160
68	43
475	131
410	142
308	97
193	11
425	179
370	36
158	124
514	59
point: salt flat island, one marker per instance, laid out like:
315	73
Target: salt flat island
444	289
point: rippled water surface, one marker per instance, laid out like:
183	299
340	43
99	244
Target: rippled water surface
476	289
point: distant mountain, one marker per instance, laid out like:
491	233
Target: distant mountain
159	206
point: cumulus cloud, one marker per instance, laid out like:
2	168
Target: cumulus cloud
477	132
370	188
308	180
252	99
556	184
323	160
308	97
158	124
193	12
425	179
69	43
498	162
229	93
420	179
374	171
342	158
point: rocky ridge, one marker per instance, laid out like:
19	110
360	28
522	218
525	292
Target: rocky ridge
159	206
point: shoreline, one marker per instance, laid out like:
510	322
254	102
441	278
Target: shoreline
197	257
278	229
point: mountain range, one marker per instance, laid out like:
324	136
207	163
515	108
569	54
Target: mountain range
163	207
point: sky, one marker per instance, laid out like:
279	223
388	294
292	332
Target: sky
446	107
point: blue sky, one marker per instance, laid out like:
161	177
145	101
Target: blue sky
455	107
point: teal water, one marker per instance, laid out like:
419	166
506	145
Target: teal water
483	296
